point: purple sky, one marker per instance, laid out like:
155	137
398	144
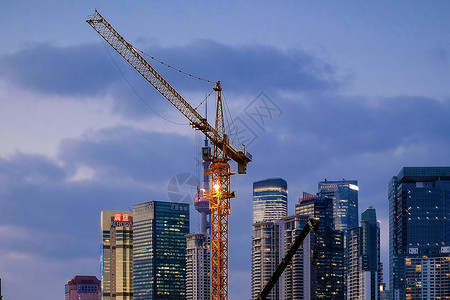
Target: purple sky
360	90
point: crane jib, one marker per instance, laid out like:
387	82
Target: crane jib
129	53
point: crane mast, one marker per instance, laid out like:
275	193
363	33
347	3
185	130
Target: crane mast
219	193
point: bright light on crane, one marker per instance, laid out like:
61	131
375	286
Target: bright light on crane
224	151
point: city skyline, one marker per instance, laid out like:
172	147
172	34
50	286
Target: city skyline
348	90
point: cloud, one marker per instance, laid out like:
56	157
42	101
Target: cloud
75	70
87	69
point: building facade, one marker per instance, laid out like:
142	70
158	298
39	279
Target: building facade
269	199
419	224
364	274
83	288
198	266
117	255
328	272
345	202
159	250
428	277
299	279
267	252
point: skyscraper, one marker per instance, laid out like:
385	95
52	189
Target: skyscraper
363	253
159	250
117	255
83	288
419	227
428	277
327	275
299	278
344	194
267	252
198	267
345	202
269	199
269	207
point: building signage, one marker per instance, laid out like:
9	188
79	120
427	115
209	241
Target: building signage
122	220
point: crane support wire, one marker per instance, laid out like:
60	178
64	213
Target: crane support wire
173	68
133	57
231	124
134	90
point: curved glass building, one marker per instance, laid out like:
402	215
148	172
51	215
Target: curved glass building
269	199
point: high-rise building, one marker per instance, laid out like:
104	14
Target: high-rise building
345	209
345	202
83	288
419	227
117	255
198	252
299	278
198	267
269	207
159	250
327	275
269	199
428	277
363	253
267	252
1	297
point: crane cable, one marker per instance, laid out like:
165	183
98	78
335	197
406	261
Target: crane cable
173	68
134	90
231	124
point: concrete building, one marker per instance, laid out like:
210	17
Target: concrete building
428	277
299	279
269	207
419	225
198	267
159	250
82	288
267	252
117	255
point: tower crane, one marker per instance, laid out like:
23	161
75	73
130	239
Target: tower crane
219	193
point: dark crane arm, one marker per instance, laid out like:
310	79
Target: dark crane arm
310	225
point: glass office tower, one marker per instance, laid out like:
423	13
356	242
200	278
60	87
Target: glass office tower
328	270
159	250
269	199
419	226
363	252
345	202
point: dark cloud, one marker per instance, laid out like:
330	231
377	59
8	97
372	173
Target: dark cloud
88	69
39	194
76	70
330	137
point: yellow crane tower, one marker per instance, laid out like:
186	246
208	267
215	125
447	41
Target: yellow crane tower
219	193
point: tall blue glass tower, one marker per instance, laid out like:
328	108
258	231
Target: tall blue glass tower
159	250
345	202
269	199
419	226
